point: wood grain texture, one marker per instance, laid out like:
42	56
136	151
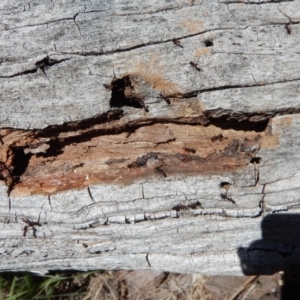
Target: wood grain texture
186	173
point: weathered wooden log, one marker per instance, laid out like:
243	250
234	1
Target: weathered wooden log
150	135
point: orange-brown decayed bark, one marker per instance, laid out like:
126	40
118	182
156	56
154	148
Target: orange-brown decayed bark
153	150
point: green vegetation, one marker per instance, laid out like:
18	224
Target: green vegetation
25	286
108	285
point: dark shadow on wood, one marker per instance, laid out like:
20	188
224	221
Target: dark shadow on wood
278	250
245	125
20	161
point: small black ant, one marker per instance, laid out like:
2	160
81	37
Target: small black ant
31	224
194	65
164	97
179	207
161	172
189	150
225	197
218	137
177	43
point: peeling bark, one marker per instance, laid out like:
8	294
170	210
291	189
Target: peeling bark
150	136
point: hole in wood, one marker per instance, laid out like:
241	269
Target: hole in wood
255	160
225	185
208	43
244	125
54	150
20	161
123	94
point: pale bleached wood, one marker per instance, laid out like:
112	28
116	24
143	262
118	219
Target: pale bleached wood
251	55
250	73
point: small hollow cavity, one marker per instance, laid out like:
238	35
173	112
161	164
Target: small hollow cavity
255	160
208	43
244	125
225	185
123	94
55	149
20	161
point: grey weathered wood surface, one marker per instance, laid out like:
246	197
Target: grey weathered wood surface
250	73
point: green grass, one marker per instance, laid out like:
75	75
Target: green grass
17	286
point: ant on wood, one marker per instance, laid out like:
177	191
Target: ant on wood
189	150
164	97
31	224
177	43
195	66
225	197
179	207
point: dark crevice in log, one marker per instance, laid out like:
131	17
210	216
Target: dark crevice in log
74	19
239	120
238	86
20	161
235	124
195	209
257	3
42	64
30	71
11	173
148	261
180	38
109	127
262	202
60	141
94	53
54	150
55	130
48	62
42	24
224	119
153	11
5	175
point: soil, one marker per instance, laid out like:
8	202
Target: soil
129	285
